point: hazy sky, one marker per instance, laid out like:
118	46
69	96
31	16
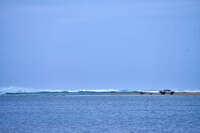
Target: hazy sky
100	44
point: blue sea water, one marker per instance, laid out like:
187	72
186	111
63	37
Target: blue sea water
57	113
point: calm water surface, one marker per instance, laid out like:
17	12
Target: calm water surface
99	114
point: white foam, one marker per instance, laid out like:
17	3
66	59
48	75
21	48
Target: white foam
12	89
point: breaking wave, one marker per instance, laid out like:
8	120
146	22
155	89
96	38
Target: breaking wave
19	90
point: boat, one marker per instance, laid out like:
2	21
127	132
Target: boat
163	92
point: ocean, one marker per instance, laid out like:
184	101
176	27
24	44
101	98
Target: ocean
60	113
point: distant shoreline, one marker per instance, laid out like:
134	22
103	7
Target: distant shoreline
110	94
175	94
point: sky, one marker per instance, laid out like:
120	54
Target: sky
100	44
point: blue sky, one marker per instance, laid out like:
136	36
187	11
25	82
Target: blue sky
102	44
